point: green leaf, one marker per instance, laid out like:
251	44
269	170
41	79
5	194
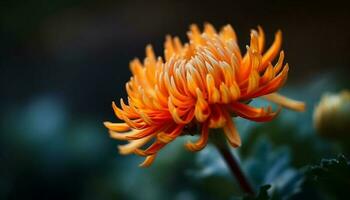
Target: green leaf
331	178
262	195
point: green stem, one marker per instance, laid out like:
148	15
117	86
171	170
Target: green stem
233	165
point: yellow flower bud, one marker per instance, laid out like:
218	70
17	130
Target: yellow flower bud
332	115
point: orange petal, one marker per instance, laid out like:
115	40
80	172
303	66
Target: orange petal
150	53
271	86
177	44
279	63
273	50
232	134
253	81
157	145
122	136
235	91
224	93
172	89
254	41
168	48
177	117
143	133
217	117
261	39
164	138
285	102
129	111
202	142
118	112
136	67
268	75
227	33
245	67
194	34
154	148
213	92
119	127
251	113
132	145
209	29
148	161
202	110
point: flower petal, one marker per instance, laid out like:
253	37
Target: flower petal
261	39
254	114
144	133
285	102
271	86
232	134
217	118
123	136
119	127
202	142
134	144
148	161
273	50
202	110
157	145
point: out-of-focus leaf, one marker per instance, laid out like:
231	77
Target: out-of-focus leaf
264	165
268	165
262	195
210	164
213	174
331	178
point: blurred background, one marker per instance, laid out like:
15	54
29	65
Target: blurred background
63	62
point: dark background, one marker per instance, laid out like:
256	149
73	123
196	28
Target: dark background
63	62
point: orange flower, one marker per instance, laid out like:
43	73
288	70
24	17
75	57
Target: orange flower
199	84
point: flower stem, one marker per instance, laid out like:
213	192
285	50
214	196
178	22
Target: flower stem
234	166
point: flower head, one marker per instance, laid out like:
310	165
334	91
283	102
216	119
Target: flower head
202	83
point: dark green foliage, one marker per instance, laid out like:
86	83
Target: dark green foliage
262	195
331	178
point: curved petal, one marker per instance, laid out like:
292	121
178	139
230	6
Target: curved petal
273	50
285	102
254	114
202	110
202	142
261	39
232	134
177	117
157	145
119	127
154	148
148	161
271	86
217	118
134	144
123	136
144	133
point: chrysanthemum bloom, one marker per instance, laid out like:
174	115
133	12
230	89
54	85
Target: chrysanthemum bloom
201	84
332	115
